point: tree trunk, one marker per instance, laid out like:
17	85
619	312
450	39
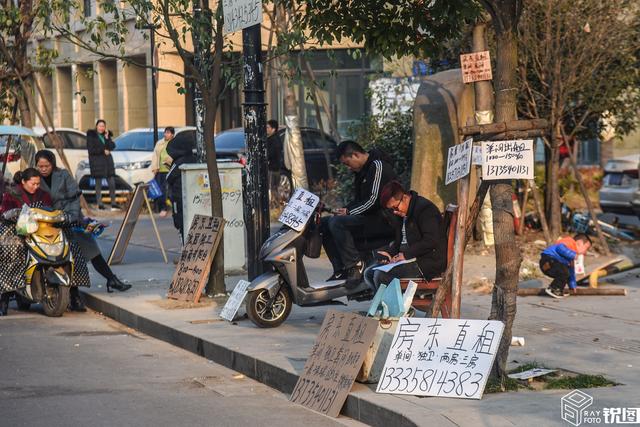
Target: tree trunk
552	189
508	257
25	109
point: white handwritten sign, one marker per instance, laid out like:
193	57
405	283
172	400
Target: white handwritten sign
299	209
235	300
240	14
458	161
441	357
476	156
507	159
476	66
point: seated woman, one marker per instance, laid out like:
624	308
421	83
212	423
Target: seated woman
419	238
12	251
66	197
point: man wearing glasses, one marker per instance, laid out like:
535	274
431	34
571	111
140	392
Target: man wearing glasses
420	246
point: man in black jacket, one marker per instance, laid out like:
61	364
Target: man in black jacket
420	244
363	216
181	151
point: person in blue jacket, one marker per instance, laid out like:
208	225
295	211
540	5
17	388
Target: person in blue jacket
557	262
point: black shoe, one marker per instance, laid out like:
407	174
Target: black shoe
117	284
354	275
4	304
338	275
554	293
75	301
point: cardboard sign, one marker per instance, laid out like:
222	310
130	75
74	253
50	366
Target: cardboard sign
299	209
128	224
241	14
458	161
476	66
334	362
193	269
235	300
441	357
507	159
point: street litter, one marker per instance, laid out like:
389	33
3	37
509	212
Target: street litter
517	341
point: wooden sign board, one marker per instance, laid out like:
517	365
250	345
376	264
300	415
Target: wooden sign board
458	161
476	66
235	300
507	159
334	362
128	224
193	269
441	357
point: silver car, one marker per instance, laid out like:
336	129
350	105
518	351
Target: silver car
620	186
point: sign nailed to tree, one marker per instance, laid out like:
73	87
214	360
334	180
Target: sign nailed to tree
507	159
458	161
441	357
476	66
240	14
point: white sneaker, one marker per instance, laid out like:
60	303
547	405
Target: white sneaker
554	293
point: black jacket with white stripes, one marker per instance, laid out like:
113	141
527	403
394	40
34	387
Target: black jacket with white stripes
368	183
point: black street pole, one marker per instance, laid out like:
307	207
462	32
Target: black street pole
154	84
256	191
199	50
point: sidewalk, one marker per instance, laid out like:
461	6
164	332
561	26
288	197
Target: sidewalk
594	335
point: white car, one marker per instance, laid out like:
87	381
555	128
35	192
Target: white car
24	144
132	159
620	191
75	146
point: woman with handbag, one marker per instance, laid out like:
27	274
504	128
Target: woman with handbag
100	145
65	196
160	164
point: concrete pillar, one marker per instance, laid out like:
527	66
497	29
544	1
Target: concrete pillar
443	104
83	99
105	87
171	105
132	97
62	97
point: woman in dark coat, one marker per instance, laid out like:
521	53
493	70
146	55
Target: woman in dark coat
100	145
66	197
181	151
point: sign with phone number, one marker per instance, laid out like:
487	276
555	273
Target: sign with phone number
441	357
299	209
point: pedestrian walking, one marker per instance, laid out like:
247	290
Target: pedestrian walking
100	145
160	164
65	196
557	262
181	151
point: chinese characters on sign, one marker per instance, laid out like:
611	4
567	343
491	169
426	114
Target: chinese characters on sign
458	161
299	209
235	300
507	159
441	357
240	14
476	66
195	262
334	362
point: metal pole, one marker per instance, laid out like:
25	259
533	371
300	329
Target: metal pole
154	93
256	191
200	49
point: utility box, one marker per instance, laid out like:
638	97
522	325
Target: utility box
196	200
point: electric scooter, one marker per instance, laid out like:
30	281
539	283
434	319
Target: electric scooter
272	294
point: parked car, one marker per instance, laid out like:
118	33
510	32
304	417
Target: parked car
230	145
132	159
23	142
620	191
75	145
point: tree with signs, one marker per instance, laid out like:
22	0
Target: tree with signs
578	67
416	27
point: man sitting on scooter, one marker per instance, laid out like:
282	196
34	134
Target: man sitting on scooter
419	238
363	216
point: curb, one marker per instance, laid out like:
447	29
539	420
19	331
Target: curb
273	376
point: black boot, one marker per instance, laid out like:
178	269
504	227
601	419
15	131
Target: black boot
117	284
4	304
75	301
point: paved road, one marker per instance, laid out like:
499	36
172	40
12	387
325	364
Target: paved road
83	369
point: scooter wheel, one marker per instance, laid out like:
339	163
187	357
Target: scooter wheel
267	312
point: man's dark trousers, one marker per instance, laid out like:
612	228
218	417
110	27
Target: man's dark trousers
338	240
556	270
